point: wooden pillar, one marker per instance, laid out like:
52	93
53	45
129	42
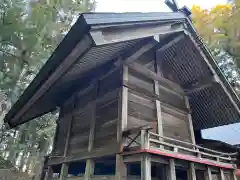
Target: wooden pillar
208	174
49	174
121	168
69	126
234	175
171	170
158	105
222	176
42	173
144	139
159	112
89	170
122	108
192	171
64	172
146	167
190	124
124	99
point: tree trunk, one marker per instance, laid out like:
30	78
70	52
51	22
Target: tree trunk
22	161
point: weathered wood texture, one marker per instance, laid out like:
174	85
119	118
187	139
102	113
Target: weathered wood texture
82	115
102	98
62	128
105	177
97	100
142	106
107	111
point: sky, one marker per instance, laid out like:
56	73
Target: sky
229	133
149	5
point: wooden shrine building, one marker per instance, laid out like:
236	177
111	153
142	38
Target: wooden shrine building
134	90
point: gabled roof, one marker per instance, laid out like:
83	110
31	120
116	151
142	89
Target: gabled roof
97	39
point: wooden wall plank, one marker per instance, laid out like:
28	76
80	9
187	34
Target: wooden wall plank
107	111
176	128
190	123
152	75
63	128
150	102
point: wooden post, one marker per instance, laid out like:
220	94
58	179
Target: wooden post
125	99
64	172
146	167
159	113
190	126
144	139
72	100
121	168
122	108
49	174
158	105
234	175
42	174
192	171
171	170
89	170
222	176
208	173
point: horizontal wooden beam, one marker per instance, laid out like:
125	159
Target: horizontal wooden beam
135	130
169	44
113	35
153	96
113	95
152	75
159	159
183	157
85	155
200	84
132	158
136	55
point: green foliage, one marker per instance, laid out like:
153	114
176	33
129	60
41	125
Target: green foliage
5	164
29	32
220	29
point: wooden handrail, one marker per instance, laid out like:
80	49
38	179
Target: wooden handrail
193	145
189	150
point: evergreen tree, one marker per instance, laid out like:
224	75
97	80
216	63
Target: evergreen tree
29	32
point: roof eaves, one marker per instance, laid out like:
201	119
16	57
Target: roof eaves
116	18
71	40
222	78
